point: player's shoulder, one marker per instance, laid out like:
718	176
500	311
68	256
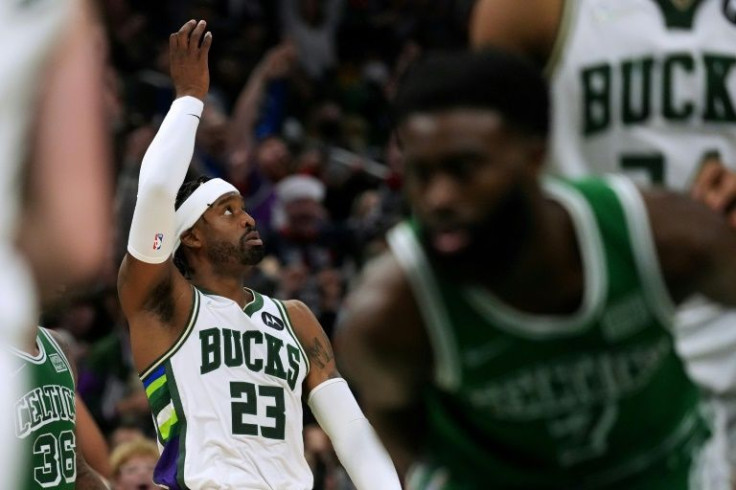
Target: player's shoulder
64	344
298	311
382	295
60	340
385	273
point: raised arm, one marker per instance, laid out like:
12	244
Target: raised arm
276	64
696	247
149	283
383	348
335	408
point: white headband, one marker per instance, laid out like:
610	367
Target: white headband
197	203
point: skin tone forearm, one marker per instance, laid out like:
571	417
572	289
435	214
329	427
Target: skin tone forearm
382	347
695	250
276	64
316	345
87	479
90	440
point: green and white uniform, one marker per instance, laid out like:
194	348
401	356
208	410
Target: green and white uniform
226	399
595	399
648	88
45	416
643	87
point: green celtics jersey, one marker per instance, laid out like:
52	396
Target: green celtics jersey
45	416
594	399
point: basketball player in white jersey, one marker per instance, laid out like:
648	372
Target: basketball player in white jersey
647	88
224	367
51	141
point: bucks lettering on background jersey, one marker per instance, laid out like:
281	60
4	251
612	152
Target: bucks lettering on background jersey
595	399
647	87
226	399
45	416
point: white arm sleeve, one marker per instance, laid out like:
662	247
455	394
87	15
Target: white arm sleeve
354	440
163	171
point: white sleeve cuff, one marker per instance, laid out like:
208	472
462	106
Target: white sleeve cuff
356	443
163	170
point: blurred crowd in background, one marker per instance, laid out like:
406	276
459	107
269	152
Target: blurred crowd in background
297	118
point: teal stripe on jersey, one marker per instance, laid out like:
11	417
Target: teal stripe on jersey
159	399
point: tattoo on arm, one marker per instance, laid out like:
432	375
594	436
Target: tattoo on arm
320	351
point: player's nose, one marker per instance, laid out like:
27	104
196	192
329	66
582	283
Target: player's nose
247	220
441	192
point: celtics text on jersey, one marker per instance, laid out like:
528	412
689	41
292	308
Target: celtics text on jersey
45	416
597	399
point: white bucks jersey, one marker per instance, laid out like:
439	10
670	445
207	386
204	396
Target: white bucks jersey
644	87
226	399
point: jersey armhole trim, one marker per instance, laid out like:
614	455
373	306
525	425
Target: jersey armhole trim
645	252
415	265
564	28
255	304
546	326
53	342
193	314
290	327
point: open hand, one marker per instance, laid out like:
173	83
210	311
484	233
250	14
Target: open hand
188	52
280	60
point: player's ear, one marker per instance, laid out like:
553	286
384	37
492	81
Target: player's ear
192	238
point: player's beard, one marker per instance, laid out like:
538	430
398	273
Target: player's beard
495	243
224	253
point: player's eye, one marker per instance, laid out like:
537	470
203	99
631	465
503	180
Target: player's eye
228	211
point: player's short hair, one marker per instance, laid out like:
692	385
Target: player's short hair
186	190
487	79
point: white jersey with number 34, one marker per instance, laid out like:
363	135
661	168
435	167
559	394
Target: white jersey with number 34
644	87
